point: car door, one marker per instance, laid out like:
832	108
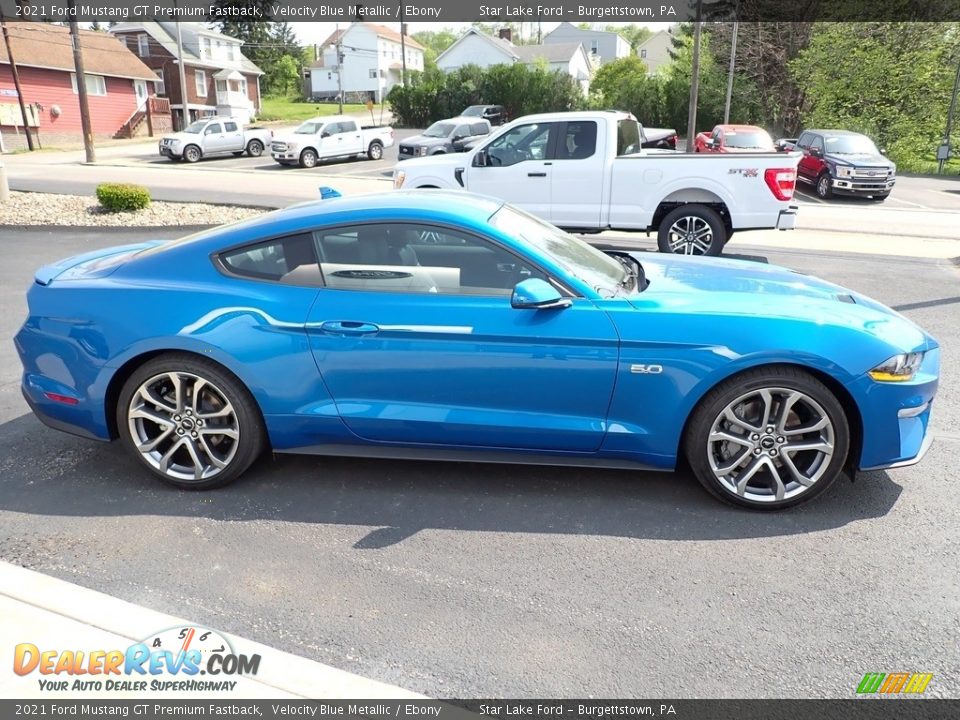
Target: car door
809	167
350	140
416	339
232	136
515	166
214	140
329	140
576	189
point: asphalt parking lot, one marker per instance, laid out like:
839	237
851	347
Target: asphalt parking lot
472	580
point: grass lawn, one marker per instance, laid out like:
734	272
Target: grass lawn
291	110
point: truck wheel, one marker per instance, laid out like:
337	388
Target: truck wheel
375	151
255	148
191	153
308	158
824	191
692	230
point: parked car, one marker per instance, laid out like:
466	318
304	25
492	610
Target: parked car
494	114
453	327
326	138
840	162
734	139
445	136
659	138
587	172
214	136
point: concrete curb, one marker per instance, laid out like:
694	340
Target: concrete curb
281	671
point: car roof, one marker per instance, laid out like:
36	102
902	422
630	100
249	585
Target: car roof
834	132
742	128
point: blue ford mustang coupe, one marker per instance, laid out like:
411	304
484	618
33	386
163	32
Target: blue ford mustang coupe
439	325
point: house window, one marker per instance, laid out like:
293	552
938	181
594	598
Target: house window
96	84
373	73
201	79
221	86
594	47
143	45
329	76
160	87
643	52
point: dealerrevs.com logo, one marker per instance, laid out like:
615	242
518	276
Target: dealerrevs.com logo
901	683
180	653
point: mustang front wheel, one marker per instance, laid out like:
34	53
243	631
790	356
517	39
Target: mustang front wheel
768	439
189	422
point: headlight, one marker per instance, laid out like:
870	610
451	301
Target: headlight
422	150
398	177
844	172
290	146
899	368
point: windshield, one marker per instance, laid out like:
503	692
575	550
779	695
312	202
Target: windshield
439	130
756	140
851	145
197	127
473	111
310	127
586	263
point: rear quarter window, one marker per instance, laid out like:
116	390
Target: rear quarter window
291	260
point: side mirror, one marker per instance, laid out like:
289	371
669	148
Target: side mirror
481	159
537	294
816	152
324	134
711	142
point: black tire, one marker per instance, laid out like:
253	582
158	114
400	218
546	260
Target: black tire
254	148
697	218
698	450
308	158
375	151
822	186
191	154
252	437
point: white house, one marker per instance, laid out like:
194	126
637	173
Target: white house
477	48
655	51
602	44
372	62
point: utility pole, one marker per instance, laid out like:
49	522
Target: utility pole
185	113
694	80
16	84
949	131
339	47
82	90
733	63
403	49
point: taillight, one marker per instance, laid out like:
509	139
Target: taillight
781	181
65	399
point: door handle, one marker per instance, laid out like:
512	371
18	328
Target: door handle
348	327
543	174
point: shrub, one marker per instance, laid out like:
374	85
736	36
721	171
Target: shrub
120	197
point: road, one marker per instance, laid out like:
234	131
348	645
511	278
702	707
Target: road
472	580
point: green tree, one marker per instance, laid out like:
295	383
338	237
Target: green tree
623	84
634	34
283	77
434	42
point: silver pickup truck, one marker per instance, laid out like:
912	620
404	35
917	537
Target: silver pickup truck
215	136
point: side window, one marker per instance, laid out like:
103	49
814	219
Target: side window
817	143
524	142
230	127
348	126
716	133
291	260
413	258
331	129
579	140
804	140
462	131
479	129
212	129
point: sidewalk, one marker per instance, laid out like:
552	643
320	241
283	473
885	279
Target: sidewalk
56	615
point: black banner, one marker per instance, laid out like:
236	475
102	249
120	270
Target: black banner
865	709
440	11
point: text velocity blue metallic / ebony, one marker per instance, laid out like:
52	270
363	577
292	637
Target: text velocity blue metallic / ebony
449	326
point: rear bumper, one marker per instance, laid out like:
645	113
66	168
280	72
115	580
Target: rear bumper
58	422
788	218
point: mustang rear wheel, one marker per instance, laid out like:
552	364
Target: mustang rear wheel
692	230
768	439
190	422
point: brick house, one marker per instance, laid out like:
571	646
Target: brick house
220	80
119	86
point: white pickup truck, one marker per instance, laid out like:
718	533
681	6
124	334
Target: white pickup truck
586	172
213	136
324	138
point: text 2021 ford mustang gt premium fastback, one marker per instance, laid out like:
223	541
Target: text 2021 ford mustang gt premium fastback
449	326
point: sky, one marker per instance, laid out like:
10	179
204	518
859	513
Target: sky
314	33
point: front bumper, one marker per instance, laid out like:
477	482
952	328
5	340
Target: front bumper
288	155
896	416
787	219
858	186
168	152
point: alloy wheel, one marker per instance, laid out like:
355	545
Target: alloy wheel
771	444
690	235
184	426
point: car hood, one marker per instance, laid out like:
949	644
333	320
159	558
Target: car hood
860	160
422	140
744	288
182	136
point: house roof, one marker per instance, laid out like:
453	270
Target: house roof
552	52
566	26
504	46
165	34
380	30
44	45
